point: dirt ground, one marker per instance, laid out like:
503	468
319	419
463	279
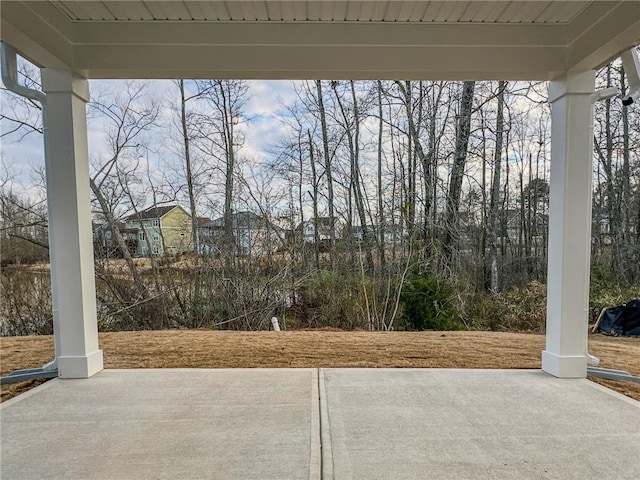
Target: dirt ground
319	348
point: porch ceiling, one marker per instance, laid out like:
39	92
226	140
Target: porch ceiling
321	39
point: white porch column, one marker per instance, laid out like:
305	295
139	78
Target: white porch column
569	225
70	236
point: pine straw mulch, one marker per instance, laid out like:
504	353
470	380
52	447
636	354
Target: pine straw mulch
319	348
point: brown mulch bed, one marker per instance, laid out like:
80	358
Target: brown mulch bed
318	348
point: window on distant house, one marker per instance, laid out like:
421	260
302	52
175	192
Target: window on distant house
141	236
156	237
155	222
156	250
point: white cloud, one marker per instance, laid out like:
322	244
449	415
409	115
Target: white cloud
265	109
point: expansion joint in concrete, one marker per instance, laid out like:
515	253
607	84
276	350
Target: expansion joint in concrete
326	464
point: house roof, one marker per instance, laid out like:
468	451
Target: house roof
152	212
244	219
360	229
321	222
105	226
339	39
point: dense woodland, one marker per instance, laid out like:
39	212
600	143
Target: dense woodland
435	198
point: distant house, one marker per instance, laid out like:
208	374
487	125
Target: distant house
252	235
204	236
105	245
307	229
392	233
357	232
601	229
161	230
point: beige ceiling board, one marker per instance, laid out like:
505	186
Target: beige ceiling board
122	11
362	35
314	10
431	11
492	12
451	11
339	11
556	11
417	39
260	11
86	10
326	11
300	11
529	11
445	11
354	10
476	10
169	10
201	11
391	12
379	11
240	10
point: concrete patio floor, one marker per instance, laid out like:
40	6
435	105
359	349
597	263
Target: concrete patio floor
326	423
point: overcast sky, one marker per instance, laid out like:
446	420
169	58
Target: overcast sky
265	107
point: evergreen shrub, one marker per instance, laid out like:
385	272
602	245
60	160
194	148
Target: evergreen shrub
428	303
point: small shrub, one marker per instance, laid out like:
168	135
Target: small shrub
344	299
428	303
520	309
25	305
330	300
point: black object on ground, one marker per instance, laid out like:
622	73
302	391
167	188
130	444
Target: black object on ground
623	320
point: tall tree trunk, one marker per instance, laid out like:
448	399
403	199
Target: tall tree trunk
189	174
413	145
301	149
327	166
358	187
457	171
381	219
353	138
196	312
606	159
427	160
314	198
228	140
429	172
626	202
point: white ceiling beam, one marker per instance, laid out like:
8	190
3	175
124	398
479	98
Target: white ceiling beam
595	46
43	42
108	49
320	61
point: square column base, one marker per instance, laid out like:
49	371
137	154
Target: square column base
564	366
80	367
